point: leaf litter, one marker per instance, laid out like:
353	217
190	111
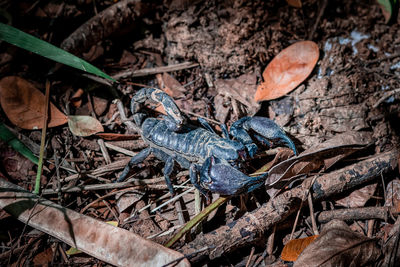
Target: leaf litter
233	44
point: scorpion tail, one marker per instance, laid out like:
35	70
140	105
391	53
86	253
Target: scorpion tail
174	117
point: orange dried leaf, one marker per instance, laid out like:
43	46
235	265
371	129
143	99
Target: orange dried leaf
293	249
287	70
24	104
84	125
76	98
294	3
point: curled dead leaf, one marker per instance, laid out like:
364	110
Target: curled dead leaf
293	248
24	104
84	125
338	245
76	98
295	3
287	70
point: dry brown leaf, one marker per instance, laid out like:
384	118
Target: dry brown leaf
99	105
44	258
393	194
174	86
358	198
126	199
76	98
338	245
322	155
293	248
24	104
287	70
391	248
108	243
241	90
84	125
294	3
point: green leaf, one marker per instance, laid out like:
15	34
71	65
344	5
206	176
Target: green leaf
8	137
45	49
387	8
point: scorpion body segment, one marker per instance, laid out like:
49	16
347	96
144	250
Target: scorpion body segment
208	156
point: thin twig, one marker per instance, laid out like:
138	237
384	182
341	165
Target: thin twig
106	196
199	116
382	58
250	256
43	139
312	215
104	151
129	124
385	96
172	199
151	71
120	149
320	14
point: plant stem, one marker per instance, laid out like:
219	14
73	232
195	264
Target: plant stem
43	139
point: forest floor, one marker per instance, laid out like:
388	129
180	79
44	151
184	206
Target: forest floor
210	57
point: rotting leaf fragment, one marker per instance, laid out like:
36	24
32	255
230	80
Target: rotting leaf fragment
338	245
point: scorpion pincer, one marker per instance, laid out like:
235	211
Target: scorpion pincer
212	160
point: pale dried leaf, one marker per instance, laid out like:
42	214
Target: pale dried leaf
337	245
322	155
358	198
175	87
99	105
84	125
24	104
393	194
108	243
241	89
127	199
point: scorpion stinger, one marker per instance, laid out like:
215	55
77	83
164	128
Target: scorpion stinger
266	130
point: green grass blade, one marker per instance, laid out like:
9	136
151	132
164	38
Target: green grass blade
8	137
45	49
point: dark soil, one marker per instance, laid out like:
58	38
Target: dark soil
353	88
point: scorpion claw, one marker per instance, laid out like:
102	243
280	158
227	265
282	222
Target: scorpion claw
266	130
220	177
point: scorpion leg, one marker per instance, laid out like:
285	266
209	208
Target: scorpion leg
139	157
205	124
264	127
193	173
169	166
224	129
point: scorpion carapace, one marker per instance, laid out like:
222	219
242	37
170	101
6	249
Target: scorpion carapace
211	159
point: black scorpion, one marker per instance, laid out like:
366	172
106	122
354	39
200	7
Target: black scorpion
199	149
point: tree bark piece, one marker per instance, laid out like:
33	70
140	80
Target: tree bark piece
111	244
365	213
251	227
114	19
